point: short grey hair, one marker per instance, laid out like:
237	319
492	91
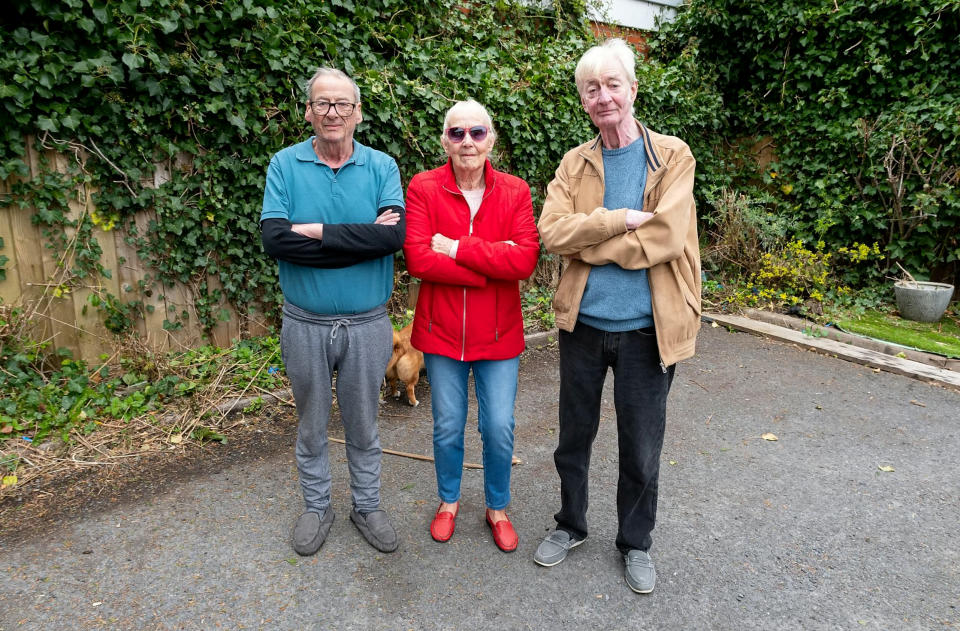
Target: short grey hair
326	71
593	60
472	105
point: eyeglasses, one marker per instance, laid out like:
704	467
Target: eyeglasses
322	108
457	134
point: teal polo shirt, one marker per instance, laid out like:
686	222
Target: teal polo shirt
302	189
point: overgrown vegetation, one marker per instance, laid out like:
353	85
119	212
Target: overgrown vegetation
132	400
51	395
211	91
858	102
208	92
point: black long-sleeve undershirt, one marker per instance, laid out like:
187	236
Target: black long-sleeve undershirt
343	244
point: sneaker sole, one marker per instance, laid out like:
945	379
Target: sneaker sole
639	591
561	559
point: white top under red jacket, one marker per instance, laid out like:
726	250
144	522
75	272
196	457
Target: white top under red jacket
469	307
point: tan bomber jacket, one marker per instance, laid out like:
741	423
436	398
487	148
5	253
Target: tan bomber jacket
575	225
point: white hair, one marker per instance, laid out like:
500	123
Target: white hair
331	72
601	56
472	105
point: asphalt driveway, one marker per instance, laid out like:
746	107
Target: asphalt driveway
805	532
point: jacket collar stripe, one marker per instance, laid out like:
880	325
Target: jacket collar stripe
648	145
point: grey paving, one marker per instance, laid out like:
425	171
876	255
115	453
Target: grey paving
802	533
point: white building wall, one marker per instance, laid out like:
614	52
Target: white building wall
638	14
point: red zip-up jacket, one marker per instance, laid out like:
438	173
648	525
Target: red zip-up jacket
469	307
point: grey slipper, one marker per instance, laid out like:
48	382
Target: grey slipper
376	528
311	531
640	573
554	548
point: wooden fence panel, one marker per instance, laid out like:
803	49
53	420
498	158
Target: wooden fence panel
57	306
68	319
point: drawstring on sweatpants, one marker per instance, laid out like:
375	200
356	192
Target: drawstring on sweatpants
336	326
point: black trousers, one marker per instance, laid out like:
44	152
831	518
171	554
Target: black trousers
641	386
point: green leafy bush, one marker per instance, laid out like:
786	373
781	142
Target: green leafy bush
861	101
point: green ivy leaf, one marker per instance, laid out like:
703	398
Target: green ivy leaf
132	61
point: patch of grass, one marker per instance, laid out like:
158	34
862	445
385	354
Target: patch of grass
941	337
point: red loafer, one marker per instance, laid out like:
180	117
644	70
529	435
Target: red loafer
441	528
503	534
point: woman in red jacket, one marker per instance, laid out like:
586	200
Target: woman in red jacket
471	238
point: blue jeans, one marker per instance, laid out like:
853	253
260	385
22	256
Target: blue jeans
496	387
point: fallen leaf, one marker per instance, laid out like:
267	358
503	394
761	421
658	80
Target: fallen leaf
769	436
176	439
6	429
673	462
9	480
886	468
918	403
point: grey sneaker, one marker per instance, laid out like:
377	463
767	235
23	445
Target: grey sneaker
640	575
376	528
554	548
311	531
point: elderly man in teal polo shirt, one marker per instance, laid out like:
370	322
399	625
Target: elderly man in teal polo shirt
333	217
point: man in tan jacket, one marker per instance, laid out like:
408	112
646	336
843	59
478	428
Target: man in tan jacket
621	212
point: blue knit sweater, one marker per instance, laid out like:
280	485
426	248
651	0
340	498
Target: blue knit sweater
617	299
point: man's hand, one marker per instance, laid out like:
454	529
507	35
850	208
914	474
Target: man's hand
441	244
637	217
315	230
312	230
389	218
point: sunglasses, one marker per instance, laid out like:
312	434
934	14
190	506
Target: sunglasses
457	134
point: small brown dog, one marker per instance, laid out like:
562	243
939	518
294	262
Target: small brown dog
405	365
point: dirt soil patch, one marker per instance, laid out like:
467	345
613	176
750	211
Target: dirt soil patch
67	493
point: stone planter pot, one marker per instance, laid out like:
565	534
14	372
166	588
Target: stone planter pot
922	301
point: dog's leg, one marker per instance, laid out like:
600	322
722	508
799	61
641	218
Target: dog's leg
411	394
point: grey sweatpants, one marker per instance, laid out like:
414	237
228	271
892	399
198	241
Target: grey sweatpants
358	348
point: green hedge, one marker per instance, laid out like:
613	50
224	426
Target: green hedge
862	101
137	82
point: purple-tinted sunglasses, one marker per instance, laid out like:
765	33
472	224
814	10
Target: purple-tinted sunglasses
457	134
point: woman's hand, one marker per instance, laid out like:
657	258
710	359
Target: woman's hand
441	244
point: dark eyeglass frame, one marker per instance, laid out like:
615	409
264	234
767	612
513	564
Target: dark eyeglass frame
477	132
338	107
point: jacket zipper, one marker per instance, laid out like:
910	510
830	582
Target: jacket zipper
463	334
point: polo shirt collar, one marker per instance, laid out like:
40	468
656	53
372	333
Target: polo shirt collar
305	153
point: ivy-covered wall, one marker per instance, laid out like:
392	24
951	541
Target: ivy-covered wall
137	83
861	100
